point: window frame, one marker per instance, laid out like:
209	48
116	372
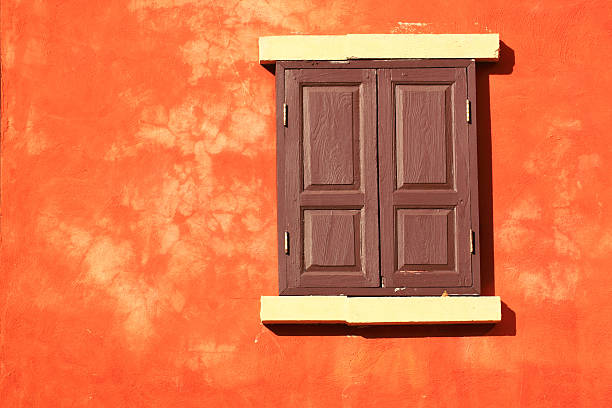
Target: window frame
469	65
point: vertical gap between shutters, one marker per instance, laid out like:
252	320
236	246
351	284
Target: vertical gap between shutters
472	238
381	281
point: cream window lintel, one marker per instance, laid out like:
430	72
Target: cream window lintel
481	47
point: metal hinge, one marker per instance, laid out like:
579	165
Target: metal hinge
472	239
284	114
468	113
286	242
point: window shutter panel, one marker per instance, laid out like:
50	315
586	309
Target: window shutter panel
330	179
423	144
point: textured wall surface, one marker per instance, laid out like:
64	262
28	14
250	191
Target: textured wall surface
139	214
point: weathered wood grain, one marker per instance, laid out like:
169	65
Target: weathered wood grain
331	137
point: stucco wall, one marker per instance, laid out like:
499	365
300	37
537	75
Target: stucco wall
139	214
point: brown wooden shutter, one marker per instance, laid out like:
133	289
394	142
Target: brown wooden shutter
425	221
330	180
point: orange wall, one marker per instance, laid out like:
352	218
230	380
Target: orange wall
138	211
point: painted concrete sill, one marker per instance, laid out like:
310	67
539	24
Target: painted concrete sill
380	310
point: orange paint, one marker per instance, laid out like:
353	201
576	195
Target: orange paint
138	180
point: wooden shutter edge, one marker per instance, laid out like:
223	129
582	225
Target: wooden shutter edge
473	174
376	64
280	177
391	291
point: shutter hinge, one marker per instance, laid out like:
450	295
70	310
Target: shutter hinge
286	242
472	239
285	114
468	113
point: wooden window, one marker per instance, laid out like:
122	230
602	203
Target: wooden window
377	180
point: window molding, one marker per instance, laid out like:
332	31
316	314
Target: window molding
481	47
380	310
389	51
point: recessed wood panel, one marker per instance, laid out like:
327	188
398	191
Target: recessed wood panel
332	239
331	137
425	239
423	136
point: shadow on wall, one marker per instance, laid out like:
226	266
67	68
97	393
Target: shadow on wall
507	326
485	175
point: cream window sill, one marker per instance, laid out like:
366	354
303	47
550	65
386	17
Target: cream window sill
481	47
380	310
